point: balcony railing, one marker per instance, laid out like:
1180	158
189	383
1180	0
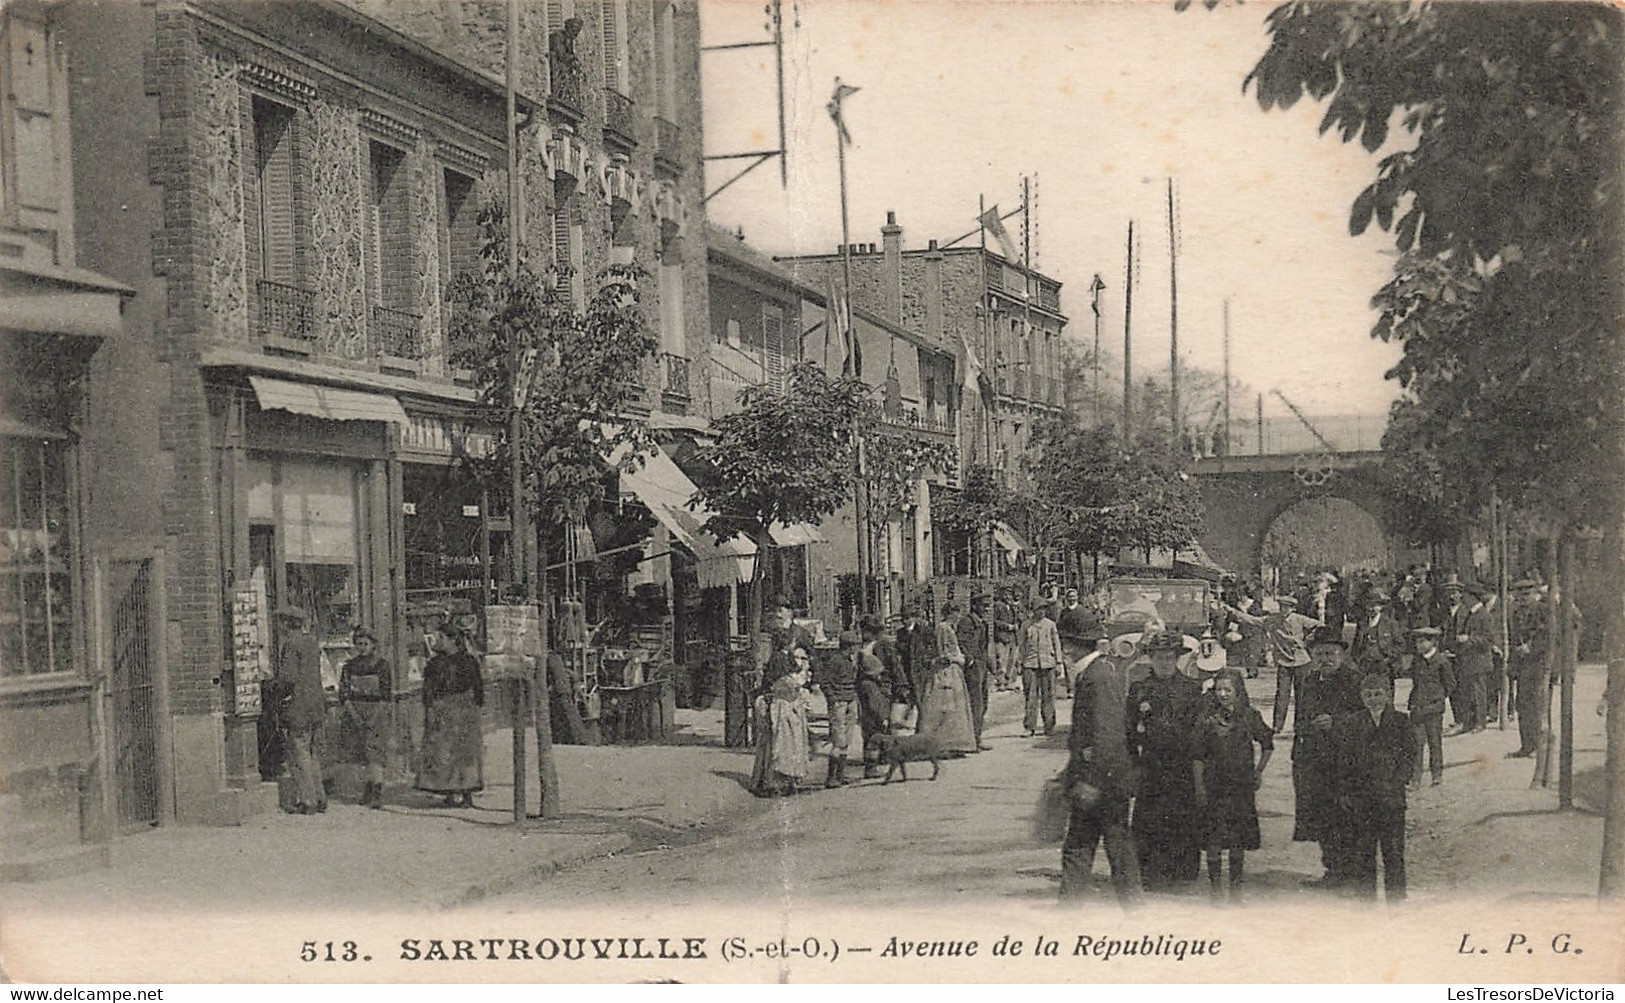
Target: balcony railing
620	120
395	333
285	311
1049	297
676	375
567	83
669	145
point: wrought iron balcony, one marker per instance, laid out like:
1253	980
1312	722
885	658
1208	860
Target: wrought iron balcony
285	311
668	146
567	83
676	383
620	121
395	333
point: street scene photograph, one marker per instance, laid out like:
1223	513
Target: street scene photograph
799	490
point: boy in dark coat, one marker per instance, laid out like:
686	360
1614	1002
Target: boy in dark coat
1376	751
1433	679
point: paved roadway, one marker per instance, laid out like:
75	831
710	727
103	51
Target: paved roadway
969	836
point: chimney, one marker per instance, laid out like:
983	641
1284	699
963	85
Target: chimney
933	294
892	270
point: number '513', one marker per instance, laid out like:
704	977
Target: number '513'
329	951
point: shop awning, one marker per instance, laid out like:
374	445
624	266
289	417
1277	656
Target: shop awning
1006	537
332	403
661	486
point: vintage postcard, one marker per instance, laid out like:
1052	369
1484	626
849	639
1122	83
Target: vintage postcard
812	491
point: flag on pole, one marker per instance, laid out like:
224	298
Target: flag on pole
970	365
842	92
993	224
838	326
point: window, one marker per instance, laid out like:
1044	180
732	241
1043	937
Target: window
36	558
773	345
672	338
460	231
34	179
389	228
271	205
616	65
567	240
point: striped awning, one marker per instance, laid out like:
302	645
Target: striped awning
331	403
666	491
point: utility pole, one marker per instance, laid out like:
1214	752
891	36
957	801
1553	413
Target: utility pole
1225	439
1173	321
1260	449
518	519
860	499
1128	342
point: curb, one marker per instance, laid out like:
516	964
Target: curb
587	848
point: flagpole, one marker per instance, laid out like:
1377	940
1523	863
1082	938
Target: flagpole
1095	288
1128	343
860	499
1173	322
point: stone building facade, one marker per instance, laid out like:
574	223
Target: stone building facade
970	302
289	187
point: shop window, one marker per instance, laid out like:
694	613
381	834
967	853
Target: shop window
443	549
309	517
36	558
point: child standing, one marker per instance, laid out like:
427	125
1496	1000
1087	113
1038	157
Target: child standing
1227	778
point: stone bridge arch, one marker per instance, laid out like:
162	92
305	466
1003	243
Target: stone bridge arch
1259	504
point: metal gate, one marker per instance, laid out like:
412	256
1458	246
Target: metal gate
134	693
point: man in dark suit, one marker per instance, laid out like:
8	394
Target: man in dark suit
976	642
1452	623
1379	639
1376	752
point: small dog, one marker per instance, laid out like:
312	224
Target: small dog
899	750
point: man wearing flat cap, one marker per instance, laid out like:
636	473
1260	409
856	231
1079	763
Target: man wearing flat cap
1433	678
1284	632
304	708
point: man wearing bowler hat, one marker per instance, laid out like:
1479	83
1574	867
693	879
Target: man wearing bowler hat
1379	639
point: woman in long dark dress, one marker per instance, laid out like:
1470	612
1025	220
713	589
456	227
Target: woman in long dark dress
1227	780
453	761
1161	722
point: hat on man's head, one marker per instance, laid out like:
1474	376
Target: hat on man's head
1071	592
1286	600
289	612
1426	631
1452	581
850	639
1376	596
1524	585
870	621
1165	640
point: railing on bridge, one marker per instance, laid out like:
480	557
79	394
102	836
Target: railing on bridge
1286	435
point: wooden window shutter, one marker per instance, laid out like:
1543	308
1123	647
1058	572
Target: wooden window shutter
273	141
609	11
773	345
555	15
253	236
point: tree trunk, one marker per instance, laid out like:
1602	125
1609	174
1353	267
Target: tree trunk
550	805
1565	763
1612	881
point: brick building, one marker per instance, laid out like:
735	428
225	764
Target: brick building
960	297
289	187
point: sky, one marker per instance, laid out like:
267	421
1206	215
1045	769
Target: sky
1102	102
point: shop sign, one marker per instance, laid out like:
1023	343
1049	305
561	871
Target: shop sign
447	437
248	656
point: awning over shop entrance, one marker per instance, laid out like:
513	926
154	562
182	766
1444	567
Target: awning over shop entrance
332	403
796	535
1006	537
666	490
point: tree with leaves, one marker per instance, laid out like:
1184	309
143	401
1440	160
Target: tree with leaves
786	456
1504	204
893	465
569	374
972	510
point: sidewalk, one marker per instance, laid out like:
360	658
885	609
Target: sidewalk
413	854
